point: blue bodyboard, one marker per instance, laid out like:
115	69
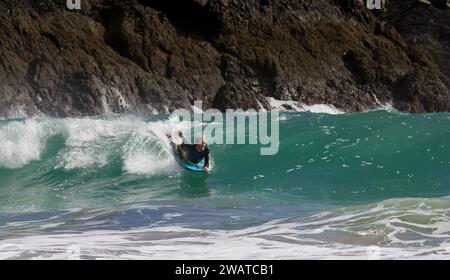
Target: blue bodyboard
190	166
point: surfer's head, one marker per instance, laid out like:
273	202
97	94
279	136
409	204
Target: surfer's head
200	143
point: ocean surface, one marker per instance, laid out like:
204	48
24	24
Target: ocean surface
372	185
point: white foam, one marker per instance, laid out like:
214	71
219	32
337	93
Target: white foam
387	106
151	109
146	164
375	231
21	142
289	105
142	146
124	105
146	152
322	108
78	157
89	142
17	112
106	108
173	242
284	105
113	94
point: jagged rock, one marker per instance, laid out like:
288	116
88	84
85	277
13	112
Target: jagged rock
153	56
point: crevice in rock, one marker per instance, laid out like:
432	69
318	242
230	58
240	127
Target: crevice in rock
32	71
189	17
52	39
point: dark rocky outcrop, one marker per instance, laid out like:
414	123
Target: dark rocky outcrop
426	30
157	55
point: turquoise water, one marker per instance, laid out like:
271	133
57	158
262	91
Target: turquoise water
339	185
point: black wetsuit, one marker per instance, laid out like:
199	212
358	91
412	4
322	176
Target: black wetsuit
193	155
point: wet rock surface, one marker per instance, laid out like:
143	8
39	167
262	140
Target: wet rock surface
152	56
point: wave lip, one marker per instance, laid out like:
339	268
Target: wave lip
22	142
88	143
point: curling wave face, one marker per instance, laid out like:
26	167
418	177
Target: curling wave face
343	183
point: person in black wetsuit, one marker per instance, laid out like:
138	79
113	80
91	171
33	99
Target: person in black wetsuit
193	153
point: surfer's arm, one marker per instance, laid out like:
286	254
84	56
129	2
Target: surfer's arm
207	160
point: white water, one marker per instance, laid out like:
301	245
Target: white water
376	231
22	142
284	105
90	143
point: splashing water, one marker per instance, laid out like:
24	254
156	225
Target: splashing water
369	185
